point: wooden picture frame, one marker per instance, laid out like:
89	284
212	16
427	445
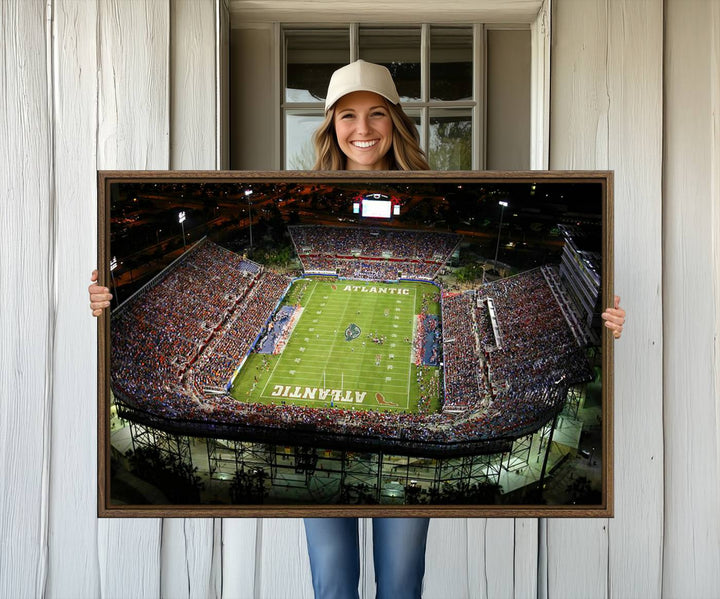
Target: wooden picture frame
461	310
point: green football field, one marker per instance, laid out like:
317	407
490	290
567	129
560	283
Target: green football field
351	347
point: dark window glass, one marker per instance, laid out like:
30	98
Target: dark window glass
310	59
398	50
451	63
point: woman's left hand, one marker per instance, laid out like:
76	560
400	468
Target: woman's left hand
615	318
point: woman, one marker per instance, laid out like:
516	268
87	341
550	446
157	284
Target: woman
365	129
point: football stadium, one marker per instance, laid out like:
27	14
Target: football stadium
363	342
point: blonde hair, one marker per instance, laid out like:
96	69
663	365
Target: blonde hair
405	154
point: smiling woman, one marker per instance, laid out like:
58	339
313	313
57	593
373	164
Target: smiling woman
364	130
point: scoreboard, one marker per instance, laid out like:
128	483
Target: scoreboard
376	205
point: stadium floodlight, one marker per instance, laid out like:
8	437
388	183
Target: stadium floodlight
181	220
248	193
113	266
502	205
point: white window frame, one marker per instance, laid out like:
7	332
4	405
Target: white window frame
423	107
536	16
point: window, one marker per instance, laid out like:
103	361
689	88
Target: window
468	88
436	71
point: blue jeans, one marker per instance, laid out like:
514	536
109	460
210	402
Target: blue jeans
398	552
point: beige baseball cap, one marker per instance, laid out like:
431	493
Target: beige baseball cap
361	76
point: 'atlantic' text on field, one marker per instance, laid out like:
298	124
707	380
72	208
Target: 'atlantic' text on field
374	289
296	392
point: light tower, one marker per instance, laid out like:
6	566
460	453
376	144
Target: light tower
181	220
248	193
113	266
502	205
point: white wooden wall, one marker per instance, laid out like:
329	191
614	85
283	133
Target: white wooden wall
691	299
133	84
607	112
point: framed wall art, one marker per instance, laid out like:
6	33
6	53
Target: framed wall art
334	344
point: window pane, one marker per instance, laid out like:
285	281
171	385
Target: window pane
398	50
450	145
311	58
451	56
414	115
299	150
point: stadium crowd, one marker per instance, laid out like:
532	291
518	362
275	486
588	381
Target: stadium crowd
350	241
526	379
374	254
176	344
465	386
241	330
538	346
195	322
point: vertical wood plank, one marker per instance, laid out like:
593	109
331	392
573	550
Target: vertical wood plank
129	558
578	93
540	88
289	577
635	90
73	564
499	550
470	558
240	557
27	316
577	551
193	85
367	585
525	560
187	559
222	62
577	564
692	320
447	561
216	574
133	124
715	194
189	566
607	113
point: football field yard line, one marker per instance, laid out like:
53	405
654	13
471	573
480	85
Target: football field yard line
277	362
262	393
332	347
312	291
324	357
412	317
279	359
325	353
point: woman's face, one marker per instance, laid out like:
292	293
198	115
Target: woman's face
364	130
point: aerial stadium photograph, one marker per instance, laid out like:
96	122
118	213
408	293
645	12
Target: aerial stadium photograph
405	342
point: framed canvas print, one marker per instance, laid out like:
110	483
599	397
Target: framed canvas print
365	344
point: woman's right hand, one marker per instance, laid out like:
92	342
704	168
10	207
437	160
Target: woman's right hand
99	296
